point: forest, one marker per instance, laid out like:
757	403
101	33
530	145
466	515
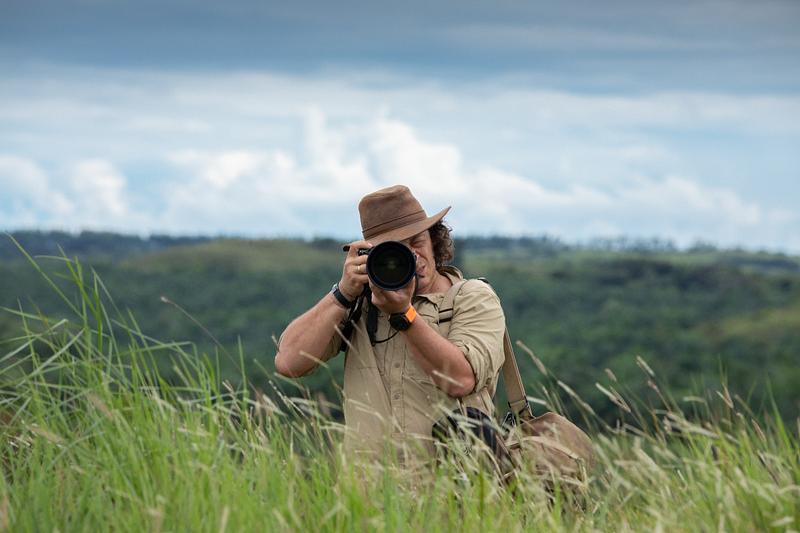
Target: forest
596	316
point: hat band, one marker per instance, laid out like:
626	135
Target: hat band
394	223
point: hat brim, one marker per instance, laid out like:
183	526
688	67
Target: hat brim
405	232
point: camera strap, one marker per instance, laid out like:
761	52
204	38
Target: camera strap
372	323
354	315
372	326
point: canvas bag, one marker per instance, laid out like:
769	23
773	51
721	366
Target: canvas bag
549	445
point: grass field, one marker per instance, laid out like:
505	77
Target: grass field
93	439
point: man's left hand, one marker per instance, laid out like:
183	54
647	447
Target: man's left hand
391	302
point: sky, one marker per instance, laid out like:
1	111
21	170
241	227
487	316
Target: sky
577	120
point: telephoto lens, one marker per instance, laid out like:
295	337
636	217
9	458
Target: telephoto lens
390	265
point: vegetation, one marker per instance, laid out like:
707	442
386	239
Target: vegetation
93	437
693	315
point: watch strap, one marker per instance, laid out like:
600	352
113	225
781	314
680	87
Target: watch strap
403	321
410	314
342	299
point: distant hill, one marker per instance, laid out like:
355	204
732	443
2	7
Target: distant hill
88	244
114	247
691	315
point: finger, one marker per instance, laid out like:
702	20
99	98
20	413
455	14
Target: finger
375	289
355	267
353	248
378	298
355	259
356	264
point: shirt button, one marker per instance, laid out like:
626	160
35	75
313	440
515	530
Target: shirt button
397	365
396	396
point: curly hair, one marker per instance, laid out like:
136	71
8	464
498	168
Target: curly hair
443	248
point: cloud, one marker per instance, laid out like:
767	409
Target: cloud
27	197
265	154
100	190
89	193
531	37
655	44
315	191
221	171
317	194
398	155
492	200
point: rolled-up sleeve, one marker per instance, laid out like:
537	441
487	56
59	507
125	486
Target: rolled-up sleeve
331	349
477	329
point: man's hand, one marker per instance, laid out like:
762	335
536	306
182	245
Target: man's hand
354	271
393	301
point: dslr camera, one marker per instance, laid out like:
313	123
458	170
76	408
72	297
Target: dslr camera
390	265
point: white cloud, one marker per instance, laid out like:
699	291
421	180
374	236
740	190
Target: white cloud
489	199
398	155
265	154
100	189
26	195
318	194
89	193
333	171
221	171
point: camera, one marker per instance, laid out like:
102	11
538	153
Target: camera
390	265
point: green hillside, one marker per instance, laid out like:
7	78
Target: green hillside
692	316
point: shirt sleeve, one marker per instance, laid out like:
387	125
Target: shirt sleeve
477	329
333	347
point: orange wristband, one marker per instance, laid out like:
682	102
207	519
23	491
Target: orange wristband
403	321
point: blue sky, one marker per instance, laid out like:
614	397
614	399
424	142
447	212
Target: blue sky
676	120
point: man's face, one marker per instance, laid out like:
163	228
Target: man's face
422	245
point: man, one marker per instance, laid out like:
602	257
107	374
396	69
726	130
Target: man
408	376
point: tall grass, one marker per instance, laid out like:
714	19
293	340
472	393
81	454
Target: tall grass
92	439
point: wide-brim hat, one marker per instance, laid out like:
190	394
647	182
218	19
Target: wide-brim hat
393	214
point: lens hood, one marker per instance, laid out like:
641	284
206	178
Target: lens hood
391	265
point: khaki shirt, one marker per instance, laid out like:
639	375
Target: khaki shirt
389	400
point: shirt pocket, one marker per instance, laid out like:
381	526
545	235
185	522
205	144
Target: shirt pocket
414	372
360	359
411	368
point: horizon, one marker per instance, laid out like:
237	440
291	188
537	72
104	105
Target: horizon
620	243
627	119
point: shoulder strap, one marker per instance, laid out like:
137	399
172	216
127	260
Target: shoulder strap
446	308
515	390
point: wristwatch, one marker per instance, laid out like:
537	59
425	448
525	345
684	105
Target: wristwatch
347	304
403	321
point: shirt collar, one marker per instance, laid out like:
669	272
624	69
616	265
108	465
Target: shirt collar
453	274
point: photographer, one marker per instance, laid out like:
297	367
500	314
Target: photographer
400	373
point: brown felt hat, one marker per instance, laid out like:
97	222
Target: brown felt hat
393	214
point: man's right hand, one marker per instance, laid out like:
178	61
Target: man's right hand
354	271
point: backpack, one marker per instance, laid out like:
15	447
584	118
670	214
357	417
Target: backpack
549	445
